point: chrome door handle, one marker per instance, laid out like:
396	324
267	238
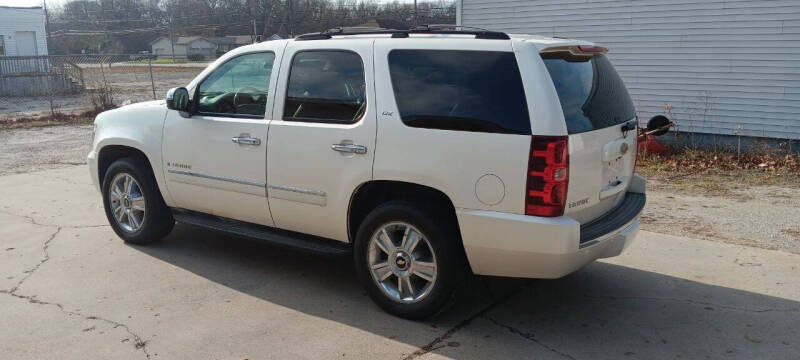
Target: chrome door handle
349	148
246	140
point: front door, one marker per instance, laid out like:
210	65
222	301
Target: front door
216	160
26	43
322	135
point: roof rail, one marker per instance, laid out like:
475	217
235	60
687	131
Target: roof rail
421	29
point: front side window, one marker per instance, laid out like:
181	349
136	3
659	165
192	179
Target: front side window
238	87
477	91
326	86
2	46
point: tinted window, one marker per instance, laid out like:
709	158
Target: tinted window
237	87
460	90
591	92
325	86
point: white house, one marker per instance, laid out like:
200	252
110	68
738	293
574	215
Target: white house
22	31
208	47
714	66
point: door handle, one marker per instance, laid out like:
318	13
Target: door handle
349	148
615	188
246	140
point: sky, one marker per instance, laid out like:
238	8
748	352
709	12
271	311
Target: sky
58	2
23	2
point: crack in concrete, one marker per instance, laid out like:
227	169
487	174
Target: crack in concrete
139	343
33	221
528	336
435	343
28	273
66	180
690	301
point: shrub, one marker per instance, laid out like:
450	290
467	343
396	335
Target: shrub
196	57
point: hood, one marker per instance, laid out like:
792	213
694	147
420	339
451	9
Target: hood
155	109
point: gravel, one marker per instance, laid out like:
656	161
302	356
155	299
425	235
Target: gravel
40	148
760	216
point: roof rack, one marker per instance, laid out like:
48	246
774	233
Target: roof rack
421	29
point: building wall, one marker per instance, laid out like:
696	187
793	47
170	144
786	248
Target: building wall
21	19
162	47
202	47
716	66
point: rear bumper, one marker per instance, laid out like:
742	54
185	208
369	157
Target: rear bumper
502	244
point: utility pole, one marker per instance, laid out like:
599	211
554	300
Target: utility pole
291	18
268	18
46	25
253	19
415	14
171	41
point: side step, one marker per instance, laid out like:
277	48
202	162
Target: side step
269	235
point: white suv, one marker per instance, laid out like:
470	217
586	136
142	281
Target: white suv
426	153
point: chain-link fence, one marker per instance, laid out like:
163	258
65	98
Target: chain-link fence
73	85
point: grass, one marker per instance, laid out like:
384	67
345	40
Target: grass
83	118
170	61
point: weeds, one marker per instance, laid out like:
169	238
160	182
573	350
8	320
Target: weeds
102	99
717	172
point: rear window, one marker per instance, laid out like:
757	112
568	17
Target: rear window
591	92
459	90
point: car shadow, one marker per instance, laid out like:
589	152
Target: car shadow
603	311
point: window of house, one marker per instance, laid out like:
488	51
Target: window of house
238	87
460	90
2	46
325	86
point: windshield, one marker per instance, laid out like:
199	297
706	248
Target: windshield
591	92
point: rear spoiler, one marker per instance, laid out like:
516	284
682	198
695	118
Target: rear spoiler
573	52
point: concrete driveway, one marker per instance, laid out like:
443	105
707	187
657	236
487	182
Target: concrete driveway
73	290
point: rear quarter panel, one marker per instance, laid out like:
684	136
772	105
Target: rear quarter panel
450	161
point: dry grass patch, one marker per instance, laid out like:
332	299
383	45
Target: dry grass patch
719	173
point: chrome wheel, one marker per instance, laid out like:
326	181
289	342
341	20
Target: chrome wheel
127	202
402	262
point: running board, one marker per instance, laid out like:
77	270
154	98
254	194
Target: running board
266	234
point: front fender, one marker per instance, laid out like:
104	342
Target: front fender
139	126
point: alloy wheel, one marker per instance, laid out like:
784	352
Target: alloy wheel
127	202
402	262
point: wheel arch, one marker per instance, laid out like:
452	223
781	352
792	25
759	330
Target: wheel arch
107	154
371	194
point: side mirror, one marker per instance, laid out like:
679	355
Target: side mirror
658	125
178	99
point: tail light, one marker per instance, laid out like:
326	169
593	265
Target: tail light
548	175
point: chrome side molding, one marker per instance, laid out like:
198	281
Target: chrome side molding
215	177
297	190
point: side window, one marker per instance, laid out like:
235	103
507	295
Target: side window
2	46
325	86
460	90
238	87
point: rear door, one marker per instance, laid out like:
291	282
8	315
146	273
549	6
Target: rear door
596	107
322	135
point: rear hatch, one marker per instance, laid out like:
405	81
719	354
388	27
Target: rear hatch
600	119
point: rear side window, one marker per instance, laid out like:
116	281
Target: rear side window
591	92
325	86
460	90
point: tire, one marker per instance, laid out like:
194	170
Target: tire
438	234
156	219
